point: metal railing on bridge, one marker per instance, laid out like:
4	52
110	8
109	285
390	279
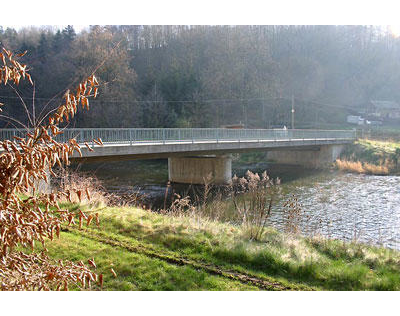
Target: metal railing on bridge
167	135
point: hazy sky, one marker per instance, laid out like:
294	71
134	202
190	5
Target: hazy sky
77	28
395	29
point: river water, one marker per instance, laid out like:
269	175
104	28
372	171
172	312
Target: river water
335	204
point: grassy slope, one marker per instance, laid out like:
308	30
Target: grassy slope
384	147
372	151
136	271
149	251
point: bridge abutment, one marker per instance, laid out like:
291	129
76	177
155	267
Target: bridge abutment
316	158
194	170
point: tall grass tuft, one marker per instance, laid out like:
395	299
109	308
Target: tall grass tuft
73	182
253	197
362	167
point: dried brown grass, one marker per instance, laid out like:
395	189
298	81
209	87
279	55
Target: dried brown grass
362	167
74	181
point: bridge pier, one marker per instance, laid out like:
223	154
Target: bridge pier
194	170
316	158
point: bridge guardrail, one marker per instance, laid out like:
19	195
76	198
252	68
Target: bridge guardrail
164	135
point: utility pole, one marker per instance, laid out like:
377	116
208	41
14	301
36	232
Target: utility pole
292	111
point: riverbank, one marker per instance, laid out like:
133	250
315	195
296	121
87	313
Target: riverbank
371	157
150	251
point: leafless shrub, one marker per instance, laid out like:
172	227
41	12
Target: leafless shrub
181	206
73	181
135	198
293	215
204	199
253	197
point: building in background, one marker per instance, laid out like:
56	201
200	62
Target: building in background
354	119
383	109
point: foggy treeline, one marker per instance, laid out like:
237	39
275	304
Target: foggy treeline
209	76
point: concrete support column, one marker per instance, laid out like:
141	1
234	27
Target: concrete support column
316	158
194	170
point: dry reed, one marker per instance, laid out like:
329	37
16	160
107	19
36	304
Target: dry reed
73	181
362	167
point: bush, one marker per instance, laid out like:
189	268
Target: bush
26	220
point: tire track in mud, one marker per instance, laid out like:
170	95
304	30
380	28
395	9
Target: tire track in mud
261	283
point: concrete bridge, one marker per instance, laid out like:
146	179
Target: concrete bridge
194	153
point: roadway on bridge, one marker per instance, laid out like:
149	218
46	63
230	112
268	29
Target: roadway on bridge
161	149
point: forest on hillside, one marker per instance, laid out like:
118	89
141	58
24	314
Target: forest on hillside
208	76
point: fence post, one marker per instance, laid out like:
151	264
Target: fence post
92	136
163	135
130	137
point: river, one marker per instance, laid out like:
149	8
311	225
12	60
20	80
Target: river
335	204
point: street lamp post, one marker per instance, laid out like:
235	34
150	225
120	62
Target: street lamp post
292	111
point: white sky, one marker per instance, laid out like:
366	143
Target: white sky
77	28
395	28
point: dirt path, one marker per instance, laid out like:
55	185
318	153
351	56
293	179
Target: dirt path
261	283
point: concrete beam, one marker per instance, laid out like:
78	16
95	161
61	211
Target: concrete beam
308	159
113	152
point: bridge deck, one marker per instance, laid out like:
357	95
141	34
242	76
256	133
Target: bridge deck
152	150
159	143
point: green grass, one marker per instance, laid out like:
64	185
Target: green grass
150	251
375	152
136	271
384	147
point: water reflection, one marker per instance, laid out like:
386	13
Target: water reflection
349	207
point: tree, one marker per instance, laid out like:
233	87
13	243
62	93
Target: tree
43	48
57	42
118	77
69	34
26	220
